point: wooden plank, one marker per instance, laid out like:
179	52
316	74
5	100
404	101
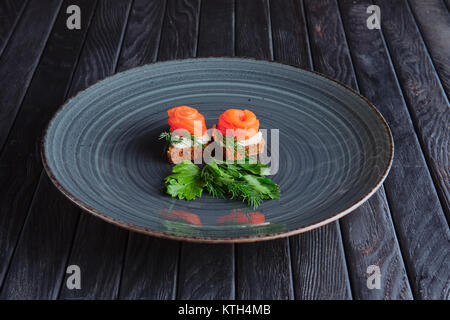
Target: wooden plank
253	29
216	34
37	269
263	269
433	19
10	14
420	223
370	240
98	250
143	34
421	86
328	43
206	270
20	161
179	38
101	52
318	263
363	246
150	270
290	34
20	58
318	259
151	264
98	247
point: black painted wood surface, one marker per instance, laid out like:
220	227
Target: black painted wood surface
20	161
368	235
402	68
411	194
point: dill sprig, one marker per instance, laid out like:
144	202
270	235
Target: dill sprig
170	139
246	182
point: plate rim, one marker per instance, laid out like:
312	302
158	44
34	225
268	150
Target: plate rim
231	239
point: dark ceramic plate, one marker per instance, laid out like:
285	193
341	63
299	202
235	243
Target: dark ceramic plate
102	151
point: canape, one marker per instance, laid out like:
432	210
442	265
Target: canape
188	135
238	133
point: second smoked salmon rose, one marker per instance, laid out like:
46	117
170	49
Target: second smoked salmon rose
243	124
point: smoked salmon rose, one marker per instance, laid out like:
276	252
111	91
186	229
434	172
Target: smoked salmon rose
187	118
242	124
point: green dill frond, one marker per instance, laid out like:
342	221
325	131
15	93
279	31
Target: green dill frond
170	140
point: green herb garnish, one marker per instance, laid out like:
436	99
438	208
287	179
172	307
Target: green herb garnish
246	182
185	182
169	140
242	181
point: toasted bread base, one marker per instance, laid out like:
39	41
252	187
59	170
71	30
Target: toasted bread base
177	155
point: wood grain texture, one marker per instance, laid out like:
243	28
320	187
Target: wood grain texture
332	57
263	270
99	247
436	33
179	37
253	29
216	30
10	13
103	44
319	268
370	239
98	251
151	264
150	270
20	58
37	269
207	271
289	33
143	34
427	101
329	47
318	259
20	161
420	223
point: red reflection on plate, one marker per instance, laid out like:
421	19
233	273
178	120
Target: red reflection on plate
239	217
182	216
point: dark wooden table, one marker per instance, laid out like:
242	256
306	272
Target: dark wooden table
404	69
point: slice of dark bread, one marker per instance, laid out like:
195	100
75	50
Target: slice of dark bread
177	155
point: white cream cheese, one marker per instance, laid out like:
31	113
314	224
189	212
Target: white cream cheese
253	140
186	142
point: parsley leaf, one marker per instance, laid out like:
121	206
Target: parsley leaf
185	182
